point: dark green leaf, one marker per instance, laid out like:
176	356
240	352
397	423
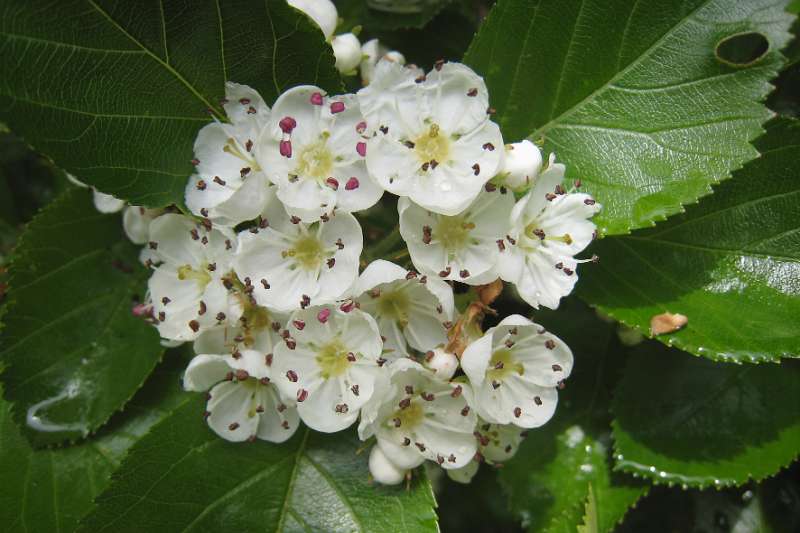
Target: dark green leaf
183	477
74	352
560	464
396	15
115	91
630	95
691	421
731	264
51	489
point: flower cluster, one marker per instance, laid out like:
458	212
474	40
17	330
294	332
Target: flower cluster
290	324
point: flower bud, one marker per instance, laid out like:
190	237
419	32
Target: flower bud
323	12
383	470
465	473
521	165
444	364
347	50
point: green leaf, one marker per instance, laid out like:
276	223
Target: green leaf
184	477
115	92
74	352
730	263
560	464
396	15
630	95
51	489
691	421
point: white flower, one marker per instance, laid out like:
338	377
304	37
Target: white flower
347	50
383	470
330	362
514	370
106	203
286	264
243	404
463	247
442	363
521	165
421	417
372	52
323	12
229	186
187	288
410	309
435	142
548	227
257	329
136	222
496	445
313	149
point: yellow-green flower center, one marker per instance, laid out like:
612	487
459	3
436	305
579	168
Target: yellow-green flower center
315	160
410	417
307	251
332	359
186	272
432	146
453	232
394	305
502	365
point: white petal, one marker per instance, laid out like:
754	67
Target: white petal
230	407
136	223
271	422
205	371
318	411
475	359
452	107
106	203
378	272
405	457
322	12
244	106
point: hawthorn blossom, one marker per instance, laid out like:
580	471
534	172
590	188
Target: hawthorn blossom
514	371
420	417
286	264
496	444
442	363
434	143
330	361
313	149
410	309
463	247
189	287
521	165
243	403
383	470
347	50
229	186
549	225
322	12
